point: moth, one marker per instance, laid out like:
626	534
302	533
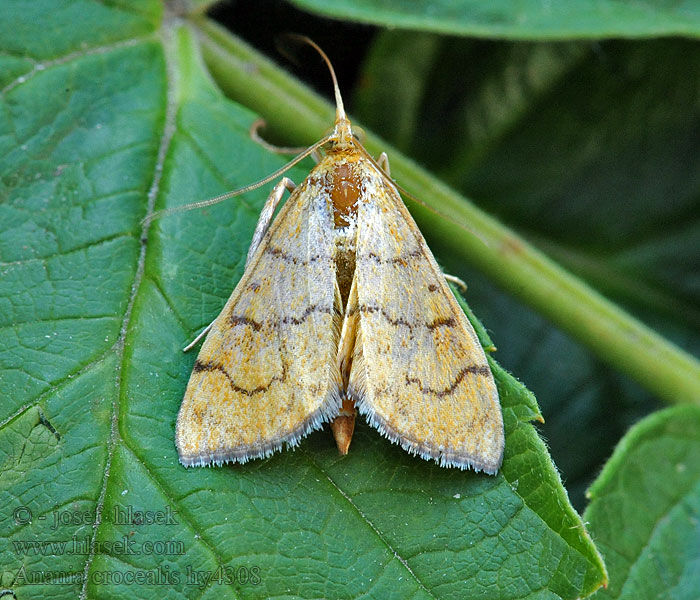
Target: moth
342	308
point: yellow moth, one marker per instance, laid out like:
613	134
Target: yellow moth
341	308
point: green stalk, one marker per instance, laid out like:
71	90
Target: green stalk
468	233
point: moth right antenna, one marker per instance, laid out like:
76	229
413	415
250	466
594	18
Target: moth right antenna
339	106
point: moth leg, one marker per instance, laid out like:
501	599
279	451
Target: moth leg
194	342
456	280
383	162
266	214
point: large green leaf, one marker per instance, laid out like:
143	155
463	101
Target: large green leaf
645	509
527	19
96	131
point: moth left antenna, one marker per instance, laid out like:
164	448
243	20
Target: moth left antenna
248	188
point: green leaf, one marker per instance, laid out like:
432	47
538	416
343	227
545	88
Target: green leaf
95	134
529	19
645	509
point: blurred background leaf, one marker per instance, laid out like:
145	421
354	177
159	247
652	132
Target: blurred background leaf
526	19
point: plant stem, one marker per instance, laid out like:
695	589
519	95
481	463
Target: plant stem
517	266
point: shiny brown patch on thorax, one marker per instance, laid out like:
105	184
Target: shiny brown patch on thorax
345	192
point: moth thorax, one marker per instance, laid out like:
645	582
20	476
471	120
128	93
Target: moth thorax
345	192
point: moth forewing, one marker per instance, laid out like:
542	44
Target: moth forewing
266	374
423	379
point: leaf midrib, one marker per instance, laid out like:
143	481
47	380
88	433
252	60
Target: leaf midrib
168	130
